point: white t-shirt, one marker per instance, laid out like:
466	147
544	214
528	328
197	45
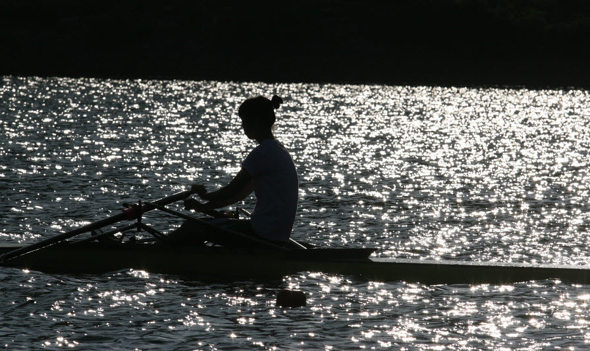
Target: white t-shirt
276	188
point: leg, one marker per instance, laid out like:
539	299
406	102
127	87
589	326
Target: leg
220	233
188	233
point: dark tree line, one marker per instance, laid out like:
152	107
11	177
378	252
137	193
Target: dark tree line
448	42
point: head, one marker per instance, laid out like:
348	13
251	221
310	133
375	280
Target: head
258	116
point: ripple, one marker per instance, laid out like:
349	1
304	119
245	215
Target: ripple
419	172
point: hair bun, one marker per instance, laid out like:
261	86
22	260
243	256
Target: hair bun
276	101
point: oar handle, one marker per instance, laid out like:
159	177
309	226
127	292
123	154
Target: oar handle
127	214
131	211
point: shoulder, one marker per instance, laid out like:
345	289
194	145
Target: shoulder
272	145
255	158
268	146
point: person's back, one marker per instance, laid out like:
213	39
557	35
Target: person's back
276	189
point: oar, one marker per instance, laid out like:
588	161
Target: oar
261	242
127	214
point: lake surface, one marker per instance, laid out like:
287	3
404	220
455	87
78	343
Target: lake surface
418	172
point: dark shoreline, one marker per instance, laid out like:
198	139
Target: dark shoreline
421	42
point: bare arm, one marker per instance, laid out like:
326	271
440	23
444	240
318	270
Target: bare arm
238	189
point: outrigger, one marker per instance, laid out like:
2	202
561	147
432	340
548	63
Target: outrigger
252	258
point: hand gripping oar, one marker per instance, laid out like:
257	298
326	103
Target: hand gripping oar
130	213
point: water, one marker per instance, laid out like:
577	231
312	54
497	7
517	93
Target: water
419	172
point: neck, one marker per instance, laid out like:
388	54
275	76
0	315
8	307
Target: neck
261	138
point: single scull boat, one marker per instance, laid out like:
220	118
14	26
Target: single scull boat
256	259
254	263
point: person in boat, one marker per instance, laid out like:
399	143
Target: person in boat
268	171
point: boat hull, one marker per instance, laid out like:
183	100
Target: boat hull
251	263
206	262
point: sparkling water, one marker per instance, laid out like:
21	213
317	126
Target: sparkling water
417	172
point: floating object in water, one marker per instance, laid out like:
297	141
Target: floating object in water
291	298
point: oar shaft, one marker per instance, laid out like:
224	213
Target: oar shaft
54	240
92	226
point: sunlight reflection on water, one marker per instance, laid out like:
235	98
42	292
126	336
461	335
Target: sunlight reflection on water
419	172
484	174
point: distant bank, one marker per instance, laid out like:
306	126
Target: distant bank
423	42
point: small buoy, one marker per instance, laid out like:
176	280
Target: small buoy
290	298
